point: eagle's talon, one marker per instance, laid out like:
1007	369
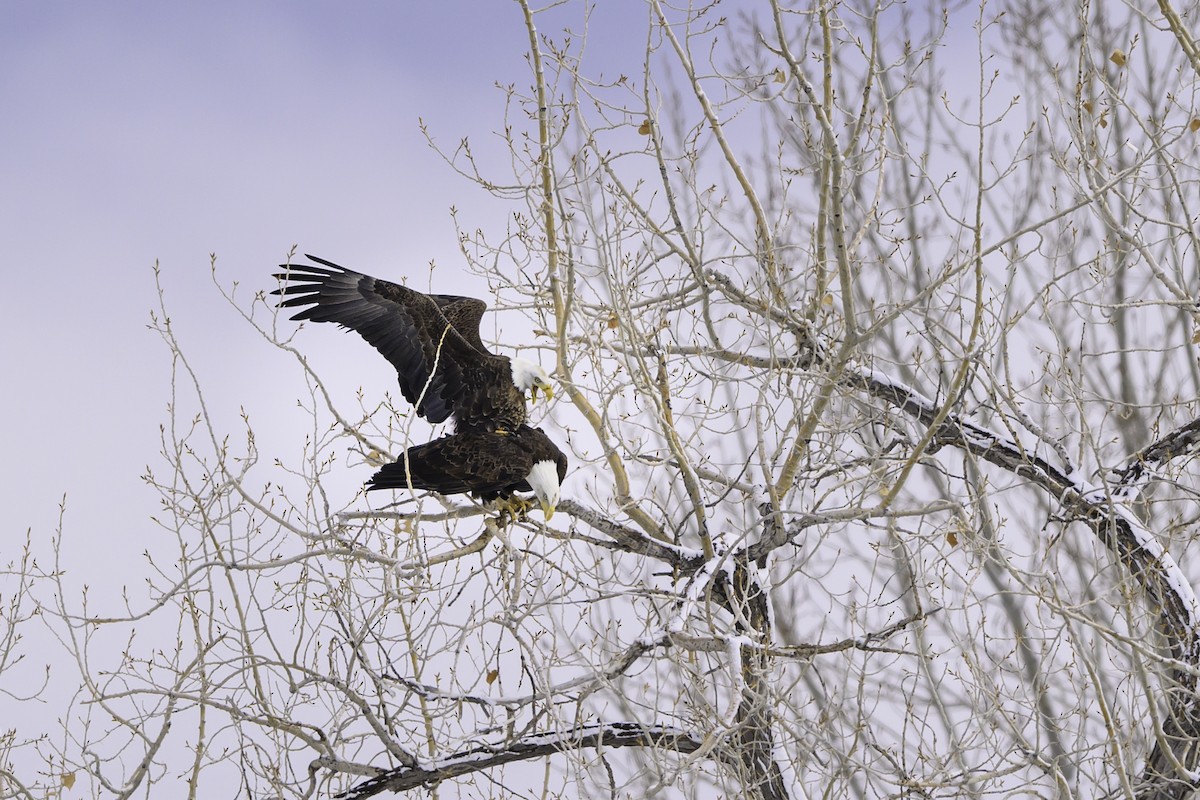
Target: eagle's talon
512	509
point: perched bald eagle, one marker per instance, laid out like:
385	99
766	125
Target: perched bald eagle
489	465
444	371
432	340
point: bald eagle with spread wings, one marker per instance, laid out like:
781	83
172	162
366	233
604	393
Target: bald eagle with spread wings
445	371
432	340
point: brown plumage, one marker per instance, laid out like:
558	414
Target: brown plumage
489	465
445	371
433	341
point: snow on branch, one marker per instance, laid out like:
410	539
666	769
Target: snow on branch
1135	546
1182	441
1167	589
612	734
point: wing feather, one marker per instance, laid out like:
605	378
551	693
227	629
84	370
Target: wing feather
441	371
465	314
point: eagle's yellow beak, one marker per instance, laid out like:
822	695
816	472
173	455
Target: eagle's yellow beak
548	510
546	390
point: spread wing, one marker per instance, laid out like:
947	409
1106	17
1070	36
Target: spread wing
465	314
485	463
440	371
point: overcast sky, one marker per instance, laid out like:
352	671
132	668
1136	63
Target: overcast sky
136	132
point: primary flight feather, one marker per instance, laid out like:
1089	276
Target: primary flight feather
433	341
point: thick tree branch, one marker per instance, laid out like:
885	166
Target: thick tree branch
1182	441
612	734
1176	756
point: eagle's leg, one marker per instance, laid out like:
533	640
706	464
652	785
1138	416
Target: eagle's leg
512	509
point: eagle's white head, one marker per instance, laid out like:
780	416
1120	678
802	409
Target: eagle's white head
543	478
528	376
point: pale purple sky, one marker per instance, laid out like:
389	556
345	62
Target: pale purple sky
140	131
132	132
